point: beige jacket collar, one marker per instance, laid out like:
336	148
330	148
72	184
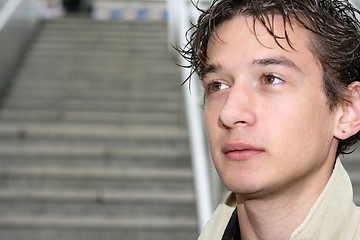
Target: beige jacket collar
334	215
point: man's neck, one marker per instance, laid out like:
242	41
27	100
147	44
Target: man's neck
277	216
270	220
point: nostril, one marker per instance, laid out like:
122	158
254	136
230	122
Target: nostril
242	123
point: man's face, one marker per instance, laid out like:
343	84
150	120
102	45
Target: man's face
269	124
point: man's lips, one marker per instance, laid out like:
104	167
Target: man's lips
238	151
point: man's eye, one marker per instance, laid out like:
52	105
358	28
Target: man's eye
271	79
216	86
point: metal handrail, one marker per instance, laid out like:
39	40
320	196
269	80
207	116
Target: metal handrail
7	11
180	16
18	22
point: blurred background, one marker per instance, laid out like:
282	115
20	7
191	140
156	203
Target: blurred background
98	140
93	140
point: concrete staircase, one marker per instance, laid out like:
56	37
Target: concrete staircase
93	143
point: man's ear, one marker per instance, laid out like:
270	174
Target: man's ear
349	113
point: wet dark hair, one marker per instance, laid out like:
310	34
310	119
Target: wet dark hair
335	38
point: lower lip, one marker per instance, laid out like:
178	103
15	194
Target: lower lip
243	155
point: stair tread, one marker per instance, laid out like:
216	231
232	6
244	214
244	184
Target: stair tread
109	172
87	130
91	222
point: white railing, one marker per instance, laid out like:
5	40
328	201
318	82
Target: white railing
8	11
181	13
18	21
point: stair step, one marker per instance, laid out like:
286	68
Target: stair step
98	203
138	80
92	105
88	93
40	203
71	21
127	223
94	27
137	76
89	84
88	24
80	184
99	53
110	37
79	131
97	209
74	74
120	162
90	45
127	119
80	61
108	178
71	150
114	29
93	154
12	233
138	89
91	173
54	25
100	197
97	70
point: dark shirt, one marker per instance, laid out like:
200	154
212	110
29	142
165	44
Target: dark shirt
232	231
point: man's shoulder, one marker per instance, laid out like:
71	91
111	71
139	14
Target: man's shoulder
216	225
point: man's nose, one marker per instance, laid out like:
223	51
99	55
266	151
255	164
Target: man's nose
238	109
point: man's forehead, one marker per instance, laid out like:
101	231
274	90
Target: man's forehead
283	48
282	31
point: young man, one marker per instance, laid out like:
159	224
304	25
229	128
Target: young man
282	101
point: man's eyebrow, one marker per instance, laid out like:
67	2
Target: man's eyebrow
277	61
211	69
